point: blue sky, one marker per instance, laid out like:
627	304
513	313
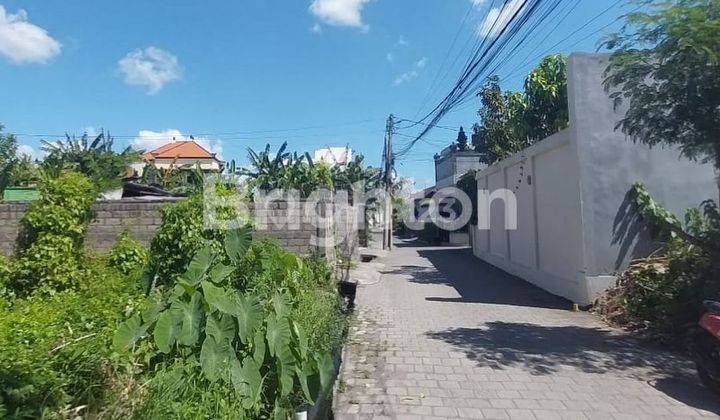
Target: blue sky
240	74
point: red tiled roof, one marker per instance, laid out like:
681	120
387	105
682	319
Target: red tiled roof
179	150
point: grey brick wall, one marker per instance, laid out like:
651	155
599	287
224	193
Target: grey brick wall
140	218
289	225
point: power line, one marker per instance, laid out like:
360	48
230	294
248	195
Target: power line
240	135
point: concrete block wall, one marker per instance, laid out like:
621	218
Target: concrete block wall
289	225
138	217
292	227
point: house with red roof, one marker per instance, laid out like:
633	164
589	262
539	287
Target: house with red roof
183	154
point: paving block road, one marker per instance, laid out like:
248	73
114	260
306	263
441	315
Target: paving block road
443	335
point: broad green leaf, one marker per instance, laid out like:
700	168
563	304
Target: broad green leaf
259	348
326	368
285	378
302	340
221	299
215	358
277	334
167	329
220	272
280	305
279	413
237	242
309	379
221	328
129	333
199	265
192	315
249	317
185	287
247	381
150	315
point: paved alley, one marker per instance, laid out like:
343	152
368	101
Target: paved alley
443	335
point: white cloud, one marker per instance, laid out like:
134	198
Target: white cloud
390	57
23	42
412	73
148	140
401	42
340	12
26	150
478	3
151	67
316	28
498	17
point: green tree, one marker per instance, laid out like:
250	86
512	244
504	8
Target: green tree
96	159
8	158
498	134
512	121
666	69
356	171
546	98
25	173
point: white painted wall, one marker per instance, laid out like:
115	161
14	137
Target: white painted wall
571	238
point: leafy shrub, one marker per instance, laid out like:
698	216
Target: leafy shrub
54	351
53	231
52	262
63	209
179	237
128	255
231	337
664	293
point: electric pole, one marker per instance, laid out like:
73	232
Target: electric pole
389	163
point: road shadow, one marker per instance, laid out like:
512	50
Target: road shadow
475	280
544	350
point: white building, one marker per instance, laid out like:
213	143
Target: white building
451	164
334	155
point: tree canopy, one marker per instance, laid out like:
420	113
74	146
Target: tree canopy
666	69
511	121
8	158
96	159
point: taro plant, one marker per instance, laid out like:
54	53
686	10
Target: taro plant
253	347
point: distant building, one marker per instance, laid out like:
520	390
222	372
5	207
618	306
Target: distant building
183	154
334	156
451	164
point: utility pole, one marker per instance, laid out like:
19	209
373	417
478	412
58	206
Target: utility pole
389	163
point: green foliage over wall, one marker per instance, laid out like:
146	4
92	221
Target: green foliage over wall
52	234
665	69
664	293
180	236
8	158
128	255
94	158
512	121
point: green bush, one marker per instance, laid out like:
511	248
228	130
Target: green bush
664	294
52	235
64	209
250	330
52	263
128	255
54	352
180	236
